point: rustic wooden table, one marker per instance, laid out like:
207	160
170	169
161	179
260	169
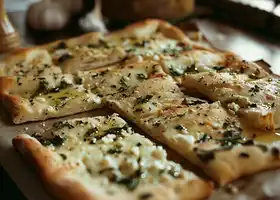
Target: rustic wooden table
249	45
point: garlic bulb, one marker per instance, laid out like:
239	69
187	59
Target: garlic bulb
47	15
93	21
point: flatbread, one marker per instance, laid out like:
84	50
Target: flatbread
103	158
198	60
38	98
149	38
146	98
255	101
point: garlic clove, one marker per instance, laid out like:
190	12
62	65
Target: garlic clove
93	20
90	23
46	15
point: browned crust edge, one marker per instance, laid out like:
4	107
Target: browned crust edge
54	177
10	102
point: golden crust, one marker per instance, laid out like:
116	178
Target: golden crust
9	101
53	176
238	90
229	165
16	95
60	184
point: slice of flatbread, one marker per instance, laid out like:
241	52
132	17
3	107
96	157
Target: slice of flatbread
198	60
38	98
77	54
35	61
34	98
209	137
255	101
103	158
147	98
124	77
149	39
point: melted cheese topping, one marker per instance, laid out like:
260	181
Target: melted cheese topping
86	57
255	99
122	78
193	121
193	62
51	96
35	62
148	46
92	54
148	97
109	155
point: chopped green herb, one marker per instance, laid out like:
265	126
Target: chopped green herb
42	89
141	76
229	141
191	69
114	151
218	68
62	124
122	89
89	135
191	102
63	156
56	141
142	100
130	183
179	127
123	82
175	72
204	138
255	89
116	131
174	172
